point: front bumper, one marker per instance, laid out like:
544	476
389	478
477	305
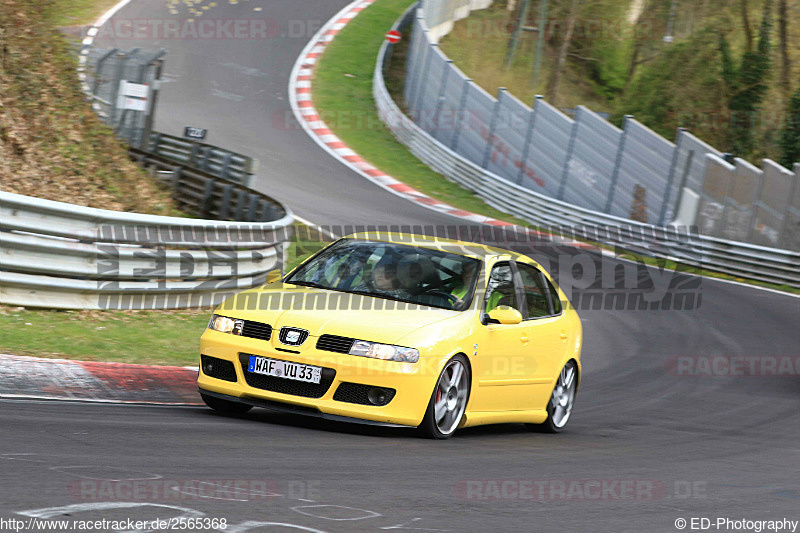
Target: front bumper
297	409
413	382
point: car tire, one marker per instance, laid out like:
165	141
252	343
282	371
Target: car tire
225	406
448	401
562	400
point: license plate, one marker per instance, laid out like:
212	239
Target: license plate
284	369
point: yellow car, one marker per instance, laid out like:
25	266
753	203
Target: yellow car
400	330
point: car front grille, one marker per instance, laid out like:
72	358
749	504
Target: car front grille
256	330
284	385
218	368
334	343
359	393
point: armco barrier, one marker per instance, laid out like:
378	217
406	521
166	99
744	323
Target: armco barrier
217	161
712	253
585	160
209	196
59	255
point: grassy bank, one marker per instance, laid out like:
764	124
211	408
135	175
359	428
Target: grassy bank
51	143
343	96
144	337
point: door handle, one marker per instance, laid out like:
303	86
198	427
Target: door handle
563	336
524	339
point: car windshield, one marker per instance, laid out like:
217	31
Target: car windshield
393	271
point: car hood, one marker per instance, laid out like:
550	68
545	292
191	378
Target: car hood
323	312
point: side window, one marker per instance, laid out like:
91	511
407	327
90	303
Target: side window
553	297
500	289
535	295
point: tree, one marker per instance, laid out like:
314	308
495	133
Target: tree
790	137
747	86
786	66
748	33
555	77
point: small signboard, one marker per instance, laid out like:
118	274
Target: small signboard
133	96
196	134
134	104
137	90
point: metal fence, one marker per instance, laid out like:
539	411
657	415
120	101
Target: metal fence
211	159
507	194
586	161
59	255
109	71
209	196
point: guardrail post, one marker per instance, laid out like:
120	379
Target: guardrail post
492	125
250	167
617	163
225	204
263	210
528	136
251	208
671	177
176	180
226	163
193	155
783	234
240	204
462	103
570	147
208	194
206	158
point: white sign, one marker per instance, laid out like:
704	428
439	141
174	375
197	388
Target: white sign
134	104
137	90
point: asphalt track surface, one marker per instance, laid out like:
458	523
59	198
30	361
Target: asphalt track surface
706	446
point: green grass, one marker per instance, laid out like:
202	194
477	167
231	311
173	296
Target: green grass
80	12
144	337
343	96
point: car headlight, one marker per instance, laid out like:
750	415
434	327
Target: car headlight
225	324
387	352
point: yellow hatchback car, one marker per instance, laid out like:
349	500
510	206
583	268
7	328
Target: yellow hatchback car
400	330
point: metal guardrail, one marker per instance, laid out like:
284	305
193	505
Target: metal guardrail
59	255
730	257
630	172
211	159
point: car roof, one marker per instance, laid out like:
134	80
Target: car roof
466	248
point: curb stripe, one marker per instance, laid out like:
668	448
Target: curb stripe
301	99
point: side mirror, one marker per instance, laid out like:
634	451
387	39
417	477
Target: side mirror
274	275
503	314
